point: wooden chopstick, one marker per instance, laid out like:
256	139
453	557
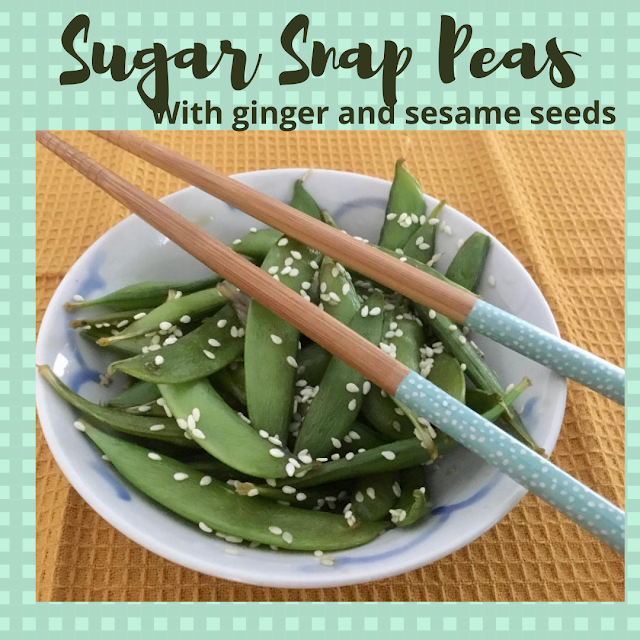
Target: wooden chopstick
389	271
328	332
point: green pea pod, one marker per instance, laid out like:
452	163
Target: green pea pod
117	320
256	244
421	245
337	293
214	506
447	374
336	406
476	368
405	209
386	417
360	436
404	336
414	502
372	497
131	347
313	498
313	361
271	344
492	405
137	394
144	294
171	313
392	456
468	264
217	342
220	431
231	380
165	430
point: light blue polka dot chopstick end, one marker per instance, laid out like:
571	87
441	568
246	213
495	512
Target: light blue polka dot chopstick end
556	354
585	507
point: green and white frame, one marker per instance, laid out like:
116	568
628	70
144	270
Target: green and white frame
31	60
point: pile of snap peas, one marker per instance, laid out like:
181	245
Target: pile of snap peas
241	425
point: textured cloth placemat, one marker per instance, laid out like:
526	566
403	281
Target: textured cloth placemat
555	199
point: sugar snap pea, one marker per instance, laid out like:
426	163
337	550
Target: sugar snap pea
164	320
165	429
218	429
271	344
144	294
139	393
324	496
392	456
116	320
405	209
130	347
492	405
414	502
342	389
257	243
372	497
422	243
468	264
217	342
214	507
447	374
337	293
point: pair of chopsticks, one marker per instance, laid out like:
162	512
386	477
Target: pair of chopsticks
523	465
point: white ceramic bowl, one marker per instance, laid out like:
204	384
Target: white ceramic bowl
469	495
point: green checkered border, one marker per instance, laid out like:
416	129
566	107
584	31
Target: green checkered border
31	59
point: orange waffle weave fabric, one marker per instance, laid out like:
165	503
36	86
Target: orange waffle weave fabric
555	199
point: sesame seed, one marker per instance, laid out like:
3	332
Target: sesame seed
165	326
283	242
292	361
277	531
462	340
364	312
78	298
191	421
359	497
196	433
275	440
237	241
253	230
314	265
336	443
371	492
213	342
234	331
334	296
294	272
509	388
276	453
434	221
179	477
376	311
306	285
432	314
492	281
156	427
460	243
153	456
285	271
453	327
182	423
301	496
296	254
352	405
352	388
205	528
366	387
276	339
391	216
252	493
273	270
154	347
122	323
289	490
288	262
350	455
335	456
396	489
205	480
221	324
318	553
389	455
354	434
423	246
79	426
463	366
159	360
209	355
287	537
